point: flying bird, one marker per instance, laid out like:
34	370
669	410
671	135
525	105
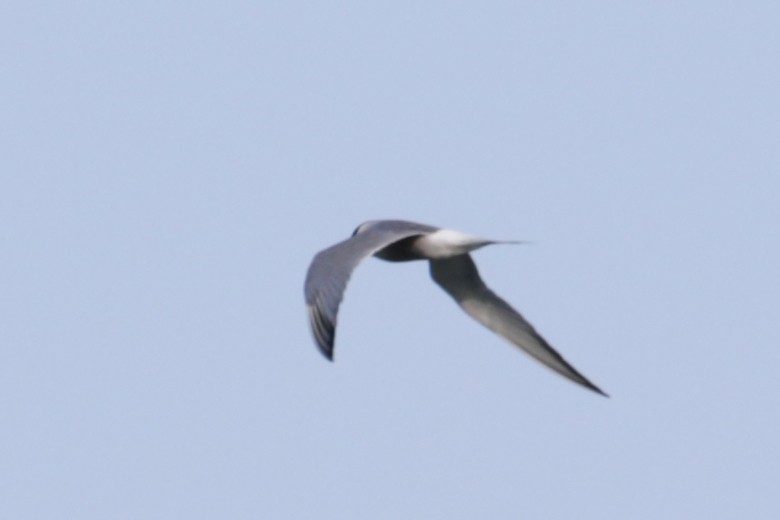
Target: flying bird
451	266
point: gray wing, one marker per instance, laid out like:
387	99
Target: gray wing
331	269
458	276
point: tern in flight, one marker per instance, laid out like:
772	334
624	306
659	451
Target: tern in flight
451	267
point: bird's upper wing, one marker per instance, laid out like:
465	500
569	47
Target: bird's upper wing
458	276
331	269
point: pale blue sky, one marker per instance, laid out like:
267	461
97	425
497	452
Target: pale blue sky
170	168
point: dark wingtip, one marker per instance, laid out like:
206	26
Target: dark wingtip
323	330
594	388
327	352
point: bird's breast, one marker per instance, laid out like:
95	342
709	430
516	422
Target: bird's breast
446	243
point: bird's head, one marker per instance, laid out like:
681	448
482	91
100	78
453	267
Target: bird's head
365	226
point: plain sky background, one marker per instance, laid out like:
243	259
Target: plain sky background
168	170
